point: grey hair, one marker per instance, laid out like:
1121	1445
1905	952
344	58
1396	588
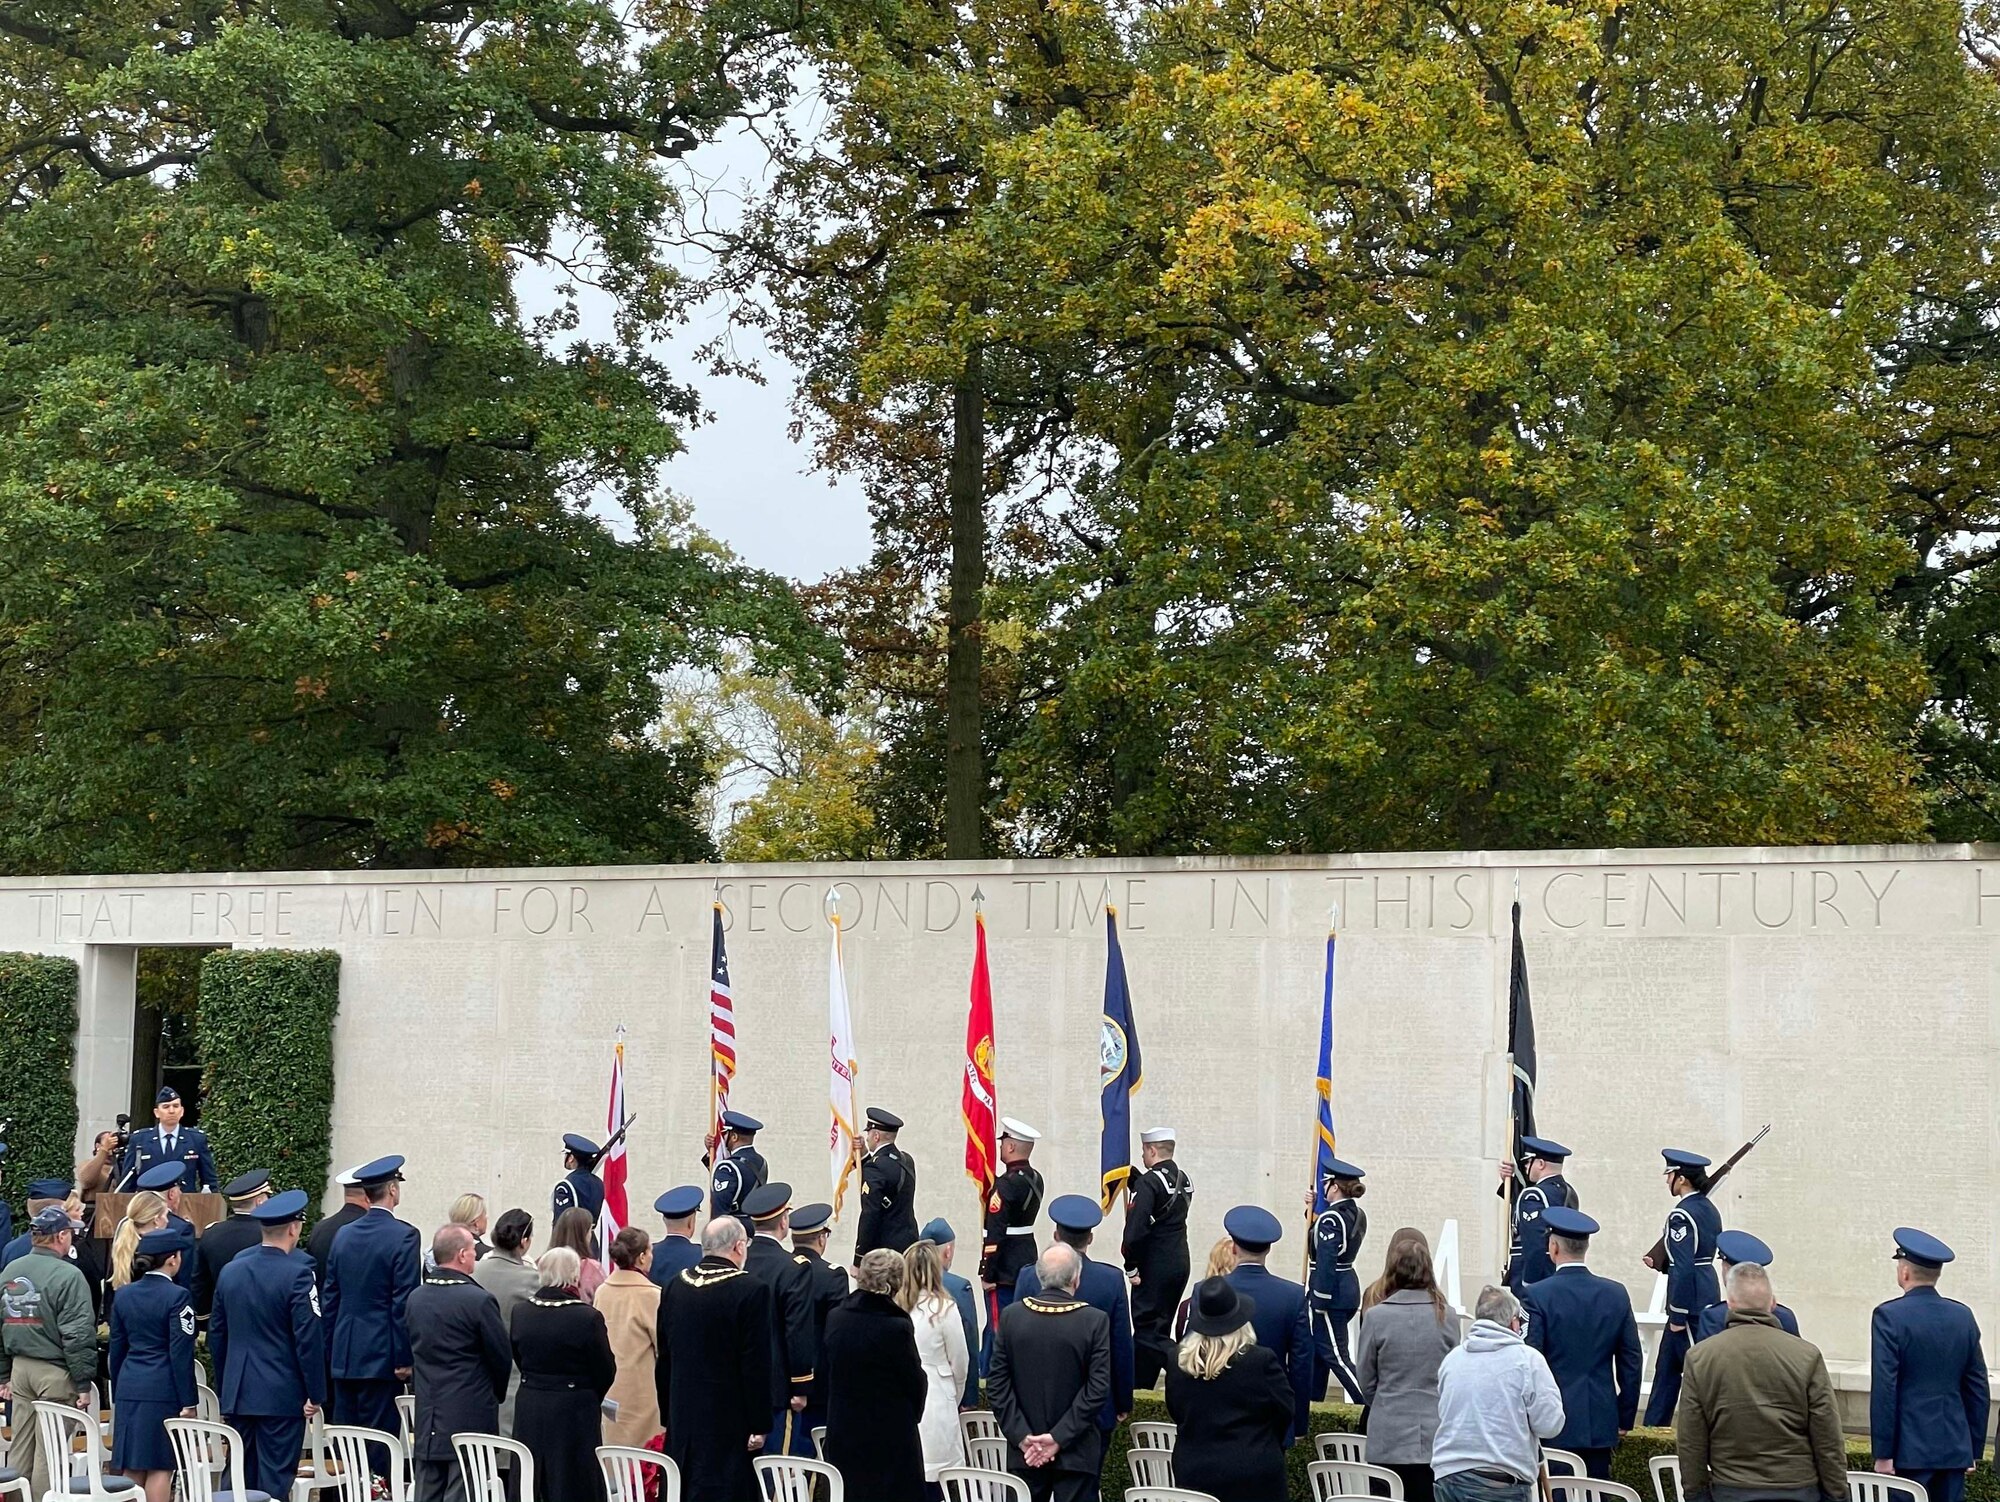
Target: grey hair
1749	1287
723	1234
451	1240
880	1271
1498	1305
1060	1267
560	1267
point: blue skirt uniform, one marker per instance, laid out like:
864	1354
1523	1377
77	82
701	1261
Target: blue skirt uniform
152	1370
139	1436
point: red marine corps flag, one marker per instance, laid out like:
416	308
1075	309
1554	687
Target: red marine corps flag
982	1147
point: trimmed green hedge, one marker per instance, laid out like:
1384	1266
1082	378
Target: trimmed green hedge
38	995
265	1030
1629	1463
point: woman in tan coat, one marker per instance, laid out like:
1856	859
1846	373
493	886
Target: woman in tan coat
630	1304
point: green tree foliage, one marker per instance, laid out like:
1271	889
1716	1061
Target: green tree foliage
314	549
265	1027
38	1041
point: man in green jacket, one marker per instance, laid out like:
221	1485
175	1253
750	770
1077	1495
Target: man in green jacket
1757	1421
48	1337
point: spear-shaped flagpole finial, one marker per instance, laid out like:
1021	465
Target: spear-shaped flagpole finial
978	898
1333	918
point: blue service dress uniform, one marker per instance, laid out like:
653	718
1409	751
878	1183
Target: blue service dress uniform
1584	1327
736	1178
1927	1390
672	1255
960	1290
1103	1288
370	1273
1336	1290
191	1258
1278	1316
1528	1259
152	1370
189	1147
1692	1226
1711	1320
580	1189
268	1345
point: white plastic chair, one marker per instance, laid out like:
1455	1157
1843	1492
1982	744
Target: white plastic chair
1583	1489
1344	1478
203	1453
316	1474
1348	1449
965	1484
1564	1462
979	1423
1666	1474
406	1430
481	1457
1873	1486
58	1428
819	1440
987	1453
624	1468
1154	1435
348	1444
1164	1494
1151	1468
787	1478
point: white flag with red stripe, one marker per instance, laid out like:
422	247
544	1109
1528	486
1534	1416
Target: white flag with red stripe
616	1214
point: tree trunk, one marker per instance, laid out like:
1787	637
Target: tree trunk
965	483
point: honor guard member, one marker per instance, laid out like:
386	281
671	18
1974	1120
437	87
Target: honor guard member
580	1188
1102	1286
1732	1247
1692	1226
939	1234
164	1179
169	1142
1528	1259
1277	1305
1009	1243
1584	1328
888	1189
794	1350
353	1205
742	1168
1336	1290
677	1250
236	1232
370	1274
267	1344
812	1228
1156	1252
1927	1376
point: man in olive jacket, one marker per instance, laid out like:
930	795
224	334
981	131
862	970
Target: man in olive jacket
1757	1421
48	1343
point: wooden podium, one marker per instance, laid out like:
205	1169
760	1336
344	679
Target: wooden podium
204	1210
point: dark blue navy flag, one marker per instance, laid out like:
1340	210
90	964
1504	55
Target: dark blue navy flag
1118	1068
1520	1050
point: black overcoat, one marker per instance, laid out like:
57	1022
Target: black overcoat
1050	1374
875	1399
1231	1439
461	1360
567	1367
714	1377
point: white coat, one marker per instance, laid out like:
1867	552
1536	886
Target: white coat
941	1349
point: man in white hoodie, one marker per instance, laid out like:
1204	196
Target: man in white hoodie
1496	1400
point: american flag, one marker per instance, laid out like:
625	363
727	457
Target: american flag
721	1035
616	1214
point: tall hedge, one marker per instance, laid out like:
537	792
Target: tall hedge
38	995
265	1030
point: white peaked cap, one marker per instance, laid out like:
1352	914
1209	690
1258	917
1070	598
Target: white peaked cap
1020	1131
1158	1134
345	1178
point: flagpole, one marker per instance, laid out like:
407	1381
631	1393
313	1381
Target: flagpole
1312	1179
1503	1240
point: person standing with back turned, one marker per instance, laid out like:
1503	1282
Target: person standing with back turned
1927	1398
1583	1325
370	1274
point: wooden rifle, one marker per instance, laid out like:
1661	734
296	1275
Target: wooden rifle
1656	1259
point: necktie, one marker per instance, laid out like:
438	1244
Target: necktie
170	1147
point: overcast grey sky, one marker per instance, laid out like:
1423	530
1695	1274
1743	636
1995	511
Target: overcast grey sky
749	484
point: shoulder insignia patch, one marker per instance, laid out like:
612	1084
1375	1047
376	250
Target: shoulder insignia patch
994	1203
312	1293
187	1320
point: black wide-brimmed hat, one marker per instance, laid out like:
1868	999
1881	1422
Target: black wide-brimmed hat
1217	1308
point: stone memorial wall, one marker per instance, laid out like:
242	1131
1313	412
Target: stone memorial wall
1847	996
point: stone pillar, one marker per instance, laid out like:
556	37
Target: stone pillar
106	1003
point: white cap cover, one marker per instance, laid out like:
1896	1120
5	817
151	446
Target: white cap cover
1158	1134
345	1178
1020	1131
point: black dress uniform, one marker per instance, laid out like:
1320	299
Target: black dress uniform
152	1361
220	1243
1336	1289
1051	1374
267	1343
714	1378
319	1245
829	1287
888	1194
794	1335
1156	1252
580	1188
740	1174
1009	1241
1528	1253
1692	1226
462	1360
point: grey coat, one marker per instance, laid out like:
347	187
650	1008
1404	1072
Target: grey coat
1402	1343
510	1281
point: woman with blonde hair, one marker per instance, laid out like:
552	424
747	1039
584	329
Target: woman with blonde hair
945	1356
1221	1263
469	1210
1232	1401
145	1211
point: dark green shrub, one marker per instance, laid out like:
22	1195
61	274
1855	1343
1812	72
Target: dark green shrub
37	1066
